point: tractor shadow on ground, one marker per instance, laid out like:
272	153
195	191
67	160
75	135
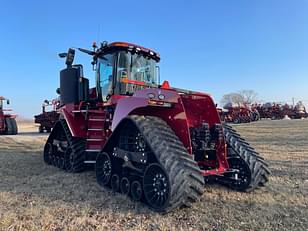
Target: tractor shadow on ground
27	177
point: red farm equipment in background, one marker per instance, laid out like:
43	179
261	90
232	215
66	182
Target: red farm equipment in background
298	111
272	111
277	111
238	113
47	119
8	125
155	143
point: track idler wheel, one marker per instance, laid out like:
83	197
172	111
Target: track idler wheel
125	186
136	191
242	178
103	169
156	187
115	183
48	153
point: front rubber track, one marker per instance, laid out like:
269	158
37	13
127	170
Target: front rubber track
186	179
238	147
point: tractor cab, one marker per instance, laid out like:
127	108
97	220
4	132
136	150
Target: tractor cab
123	68
2	99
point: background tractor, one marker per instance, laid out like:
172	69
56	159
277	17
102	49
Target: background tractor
47	119
155	143
8	125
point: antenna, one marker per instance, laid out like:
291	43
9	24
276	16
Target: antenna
99	33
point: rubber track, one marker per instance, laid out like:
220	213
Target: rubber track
14	125
78	149
237	146
186	179
9	126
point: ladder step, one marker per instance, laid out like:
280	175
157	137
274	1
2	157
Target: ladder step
93	150
94	139
95	129
79	111
89	162
96	119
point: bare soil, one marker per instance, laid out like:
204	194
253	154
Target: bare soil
34	196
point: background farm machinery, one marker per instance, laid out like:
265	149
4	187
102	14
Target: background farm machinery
238	113
8	124
276	111
241	113
48	118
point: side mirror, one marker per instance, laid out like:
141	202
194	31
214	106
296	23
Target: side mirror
62	55
58	91
7	101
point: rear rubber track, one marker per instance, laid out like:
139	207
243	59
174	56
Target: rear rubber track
186	180
9	127
14	126
74	155
77	147
238	147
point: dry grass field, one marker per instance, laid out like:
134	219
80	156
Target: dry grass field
34	196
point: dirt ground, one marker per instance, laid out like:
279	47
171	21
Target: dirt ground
34	196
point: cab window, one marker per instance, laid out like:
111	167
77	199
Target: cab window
104	76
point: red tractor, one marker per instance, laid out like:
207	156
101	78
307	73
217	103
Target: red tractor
8	125
47	119
155	143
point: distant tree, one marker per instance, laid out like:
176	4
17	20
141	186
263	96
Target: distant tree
249	96
241	97
232	98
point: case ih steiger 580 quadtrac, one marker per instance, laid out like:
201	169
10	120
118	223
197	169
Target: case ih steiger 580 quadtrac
155	143
8	125
47	119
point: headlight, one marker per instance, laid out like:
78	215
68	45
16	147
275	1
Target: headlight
161	97
151	95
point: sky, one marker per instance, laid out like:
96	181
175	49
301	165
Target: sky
213	46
